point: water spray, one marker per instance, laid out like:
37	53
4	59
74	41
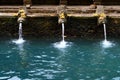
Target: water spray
21	18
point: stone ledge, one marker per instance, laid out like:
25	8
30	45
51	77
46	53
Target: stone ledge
51	11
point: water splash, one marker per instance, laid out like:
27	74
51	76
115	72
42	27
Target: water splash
20	40
106	43
63	43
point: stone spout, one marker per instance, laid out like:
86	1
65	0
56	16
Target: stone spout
100	14
21	15
62	14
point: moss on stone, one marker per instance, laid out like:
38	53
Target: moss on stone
49	27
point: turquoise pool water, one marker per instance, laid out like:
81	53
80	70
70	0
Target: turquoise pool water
39	59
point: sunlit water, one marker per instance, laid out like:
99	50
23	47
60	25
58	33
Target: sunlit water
38	59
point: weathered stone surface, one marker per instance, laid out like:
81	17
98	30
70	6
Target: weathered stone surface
49	27
45	2
27	2
57	2
39	26
110	2
80	2
11	2
48	11
63	2
42	21
107	2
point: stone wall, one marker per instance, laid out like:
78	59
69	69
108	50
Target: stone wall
57	2
49	27
34	2
80	2
11	2
45	2
107	2
110	2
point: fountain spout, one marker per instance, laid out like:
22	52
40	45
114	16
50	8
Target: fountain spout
102	18
21	18
100	14
21	14
62	14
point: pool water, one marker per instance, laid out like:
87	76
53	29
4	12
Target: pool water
39	59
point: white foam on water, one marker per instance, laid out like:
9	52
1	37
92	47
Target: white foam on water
62	44
19	41
107	44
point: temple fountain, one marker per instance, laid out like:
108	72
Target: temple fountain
59	40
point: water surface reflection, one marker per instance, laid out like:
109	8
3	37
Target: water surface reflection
38	59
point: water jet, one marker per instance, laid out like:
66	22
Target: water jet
21	18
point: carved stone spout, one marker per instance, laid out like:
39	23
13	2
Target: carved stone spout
21	15
101	15
62	14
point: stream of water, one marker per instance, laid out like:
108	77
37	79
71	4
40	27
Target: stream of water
20	39
62	43
63	30
105	42
105	36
